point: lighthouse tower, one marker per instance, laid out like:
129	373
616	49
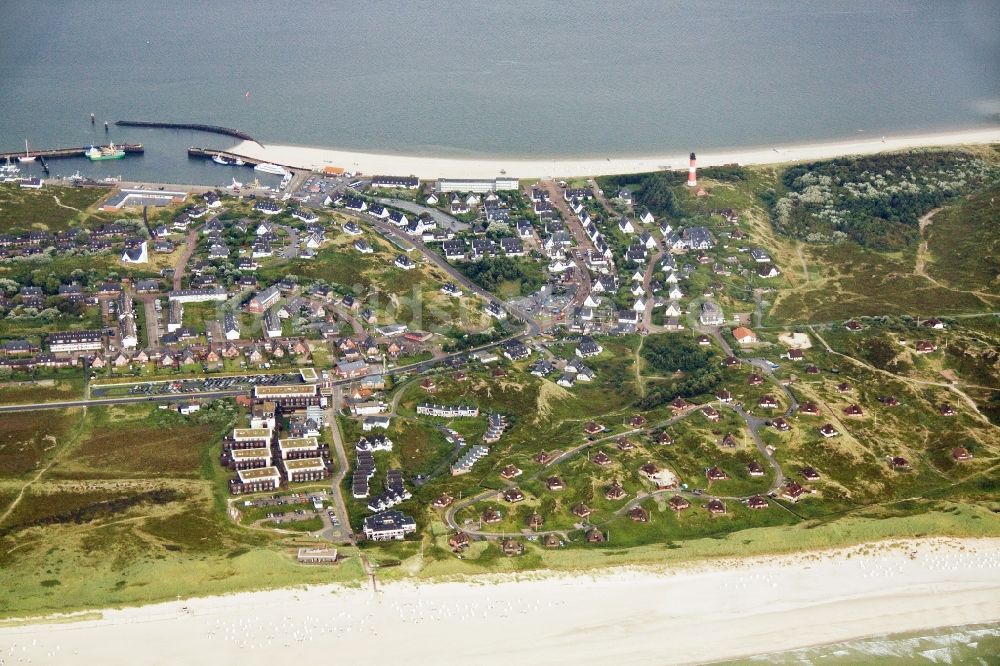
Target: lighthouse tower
692	175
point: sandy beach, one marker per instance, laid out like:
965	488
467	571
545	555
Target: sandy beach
302	157
718	610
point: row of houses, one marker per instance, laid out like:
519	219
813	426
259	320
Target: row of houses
447	411
254	352
482	248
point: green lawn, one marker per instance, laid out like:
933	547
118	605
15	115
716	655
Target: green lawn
24	210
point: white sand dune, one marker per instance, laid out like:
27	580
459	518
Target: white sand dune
302	157
714	611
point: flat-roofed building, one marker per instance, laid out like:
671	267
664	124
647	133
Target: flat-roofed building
298	447
258	480
250	458
249	438
306	469
317	556
289	395
137	198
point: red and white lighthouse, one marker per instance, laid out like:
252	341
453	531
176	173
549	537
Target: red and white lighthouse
692	173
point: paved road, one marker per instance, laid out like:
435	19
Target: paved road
715	333
291	250
648	297
442	218
583	244
337	479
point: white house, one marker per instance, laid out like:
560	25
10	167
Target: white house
135	254
711	314
231	326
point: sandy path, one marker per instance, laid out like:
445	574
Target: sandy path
717	611
964	397
923	252
41	472
190	245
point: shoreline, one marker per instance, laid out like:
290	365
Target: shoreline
707	611
430	167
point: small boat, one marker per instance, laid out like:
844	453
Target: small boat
8	168
219	158
264	167
75	178
27	157
236	184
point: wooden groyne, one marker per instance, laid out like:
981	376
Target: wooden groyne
57	153
196	127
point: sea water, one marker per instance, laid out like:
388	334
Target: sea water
517	78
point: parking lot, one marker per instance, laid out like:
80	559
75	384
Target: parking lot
204	385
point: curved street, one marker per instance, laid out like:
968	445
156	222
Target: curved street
753	424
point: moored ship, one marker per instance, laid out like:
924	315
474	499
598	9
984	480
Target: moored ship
218	158
264	167
109	152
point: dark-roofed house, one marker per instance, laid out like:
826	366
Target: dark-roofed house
715	473
678	503
511	547
513	495
614	492
716	507
961	454
810	474
638	515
